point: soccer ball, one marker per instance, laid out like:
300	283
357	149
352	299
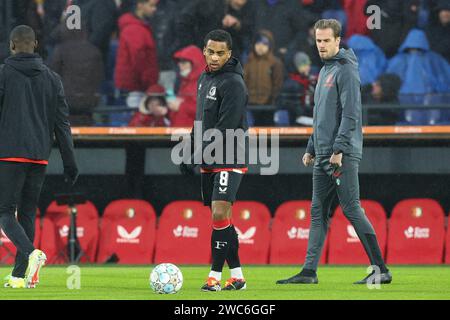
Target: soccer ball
166	278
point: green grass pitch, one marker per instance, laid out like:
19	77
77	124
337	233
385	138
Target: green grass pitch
335	282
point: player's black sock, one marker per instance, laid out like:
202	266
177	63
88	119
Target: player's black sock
308	273
233	253
220	245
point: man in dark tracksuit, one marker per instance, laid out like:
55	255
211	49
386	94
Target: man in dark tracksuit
33	111
221	106
335	149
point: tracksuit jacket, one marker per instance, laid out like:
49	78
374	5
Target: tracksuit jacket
33	111
222	99
337	120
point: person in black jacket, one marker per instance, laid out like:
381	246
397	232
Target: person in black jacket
33	111
221	110
99	18
200	16
335	150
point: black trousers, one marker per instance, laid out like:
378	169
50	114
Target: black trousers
20	187
325	188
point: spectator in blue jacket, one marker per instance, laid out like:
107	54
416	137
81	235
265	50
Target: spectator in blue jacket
425	76
372	60
422	71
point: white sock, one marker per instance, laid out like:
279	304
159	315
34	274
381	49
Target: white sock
216	275
237	273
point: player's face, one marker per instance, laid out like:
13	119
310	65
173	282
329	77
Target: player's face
327	44
216	54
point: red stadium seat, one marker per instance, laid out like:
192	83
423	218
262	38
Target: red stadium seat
290	233
7	248
447	245
345	246
55	231
127	232
416	232
184	234
251	220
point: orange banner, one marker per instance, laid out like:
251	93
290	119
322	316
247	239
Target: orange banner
288	131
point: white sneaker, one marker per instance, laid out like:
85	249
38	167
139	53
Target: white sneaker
35	262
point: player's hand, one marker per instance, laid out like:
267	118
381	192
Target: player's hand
308	159
336	160
71	175
187	169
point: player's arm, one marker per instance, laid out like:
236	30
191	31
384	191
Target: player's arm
63	135
349	93
232	106
310	146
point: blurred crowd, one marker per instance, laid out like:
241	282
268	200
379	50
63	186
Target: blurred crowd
136	62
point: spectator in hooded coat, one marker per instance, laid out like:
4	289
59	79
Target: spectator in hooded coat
371	58
297	93
153	111
422	70
425	76
263	72
191	64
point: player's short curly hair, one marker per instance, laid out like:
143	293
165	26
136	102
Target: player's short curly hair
220	36
329	23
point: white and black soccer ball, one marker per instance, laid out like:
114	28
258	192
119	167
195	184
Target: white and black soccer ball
166	278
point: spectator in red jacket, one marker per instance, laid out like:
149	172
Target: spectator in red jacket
137	65
191	64
152	109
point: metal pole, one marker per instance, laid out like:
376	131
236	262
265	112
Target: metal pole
73	234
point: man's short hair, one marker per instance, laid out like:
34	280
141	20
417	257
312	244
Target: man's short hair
23	34
219	35
329	23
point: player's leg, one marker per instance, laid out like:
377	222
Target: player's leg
220	242
223	237
236	280
12	178
322	199
207	185
26	214
348	192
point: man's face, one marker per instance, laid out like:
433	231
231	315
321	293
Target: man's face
216	54
327	44
304	69
185	67
237	4
149	8
444	17
261	48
